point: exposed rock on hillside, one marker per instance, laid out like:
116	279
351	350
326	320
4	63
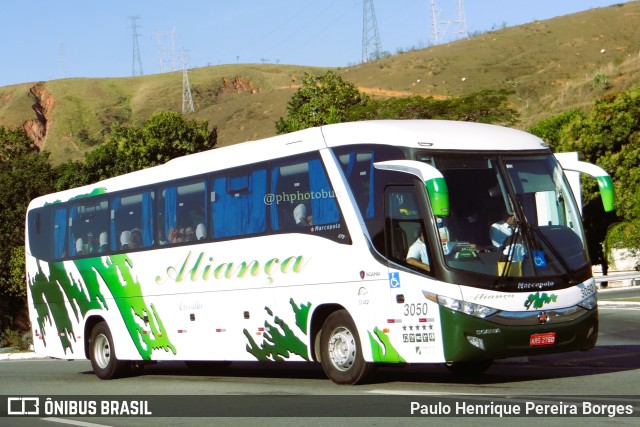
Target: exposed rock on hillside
37	128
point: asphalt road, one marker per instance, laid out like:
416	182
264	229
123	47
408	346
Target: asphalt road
609	373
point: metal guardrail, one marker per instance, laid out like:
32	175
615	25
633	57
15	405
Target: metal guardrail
633	276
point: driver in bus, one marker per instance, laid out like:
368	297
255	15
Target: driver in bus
417	254
502	229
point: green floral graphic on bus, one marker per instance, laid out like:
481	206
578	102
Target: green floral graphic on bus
83	294
277	345
385	352
537	300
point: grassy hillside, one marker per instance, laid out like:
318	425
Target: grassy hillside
551	65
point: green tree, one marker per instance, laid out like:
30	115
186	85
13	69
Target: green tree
163	137
327	99
484	107
321	100
25	173
608	136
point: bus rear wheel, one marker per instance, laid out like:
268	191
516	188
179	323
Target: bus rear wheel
104	362
341	352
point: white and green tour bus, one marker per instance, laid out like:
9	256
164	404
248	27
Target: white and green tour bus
302	247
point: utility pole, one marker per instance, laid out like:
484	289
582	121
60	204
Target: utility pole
136	48
371	46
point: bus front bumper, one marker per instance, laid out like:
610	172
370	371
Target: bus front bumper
516	334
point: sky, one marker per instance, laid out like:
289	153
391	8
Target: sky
51	39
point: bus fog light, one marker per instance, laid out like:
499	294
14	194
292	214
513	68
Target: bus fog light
476	342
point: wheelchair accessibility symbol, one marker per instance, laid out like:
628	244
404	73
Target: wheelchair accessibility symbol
539	259
394	280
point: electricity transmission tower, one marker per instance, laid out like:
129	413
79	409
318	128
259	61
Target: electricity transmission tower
371	46
136	47
439	28
187	100
166	50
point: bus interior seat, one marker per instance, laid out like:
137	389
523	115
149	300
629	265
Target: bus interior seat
399	244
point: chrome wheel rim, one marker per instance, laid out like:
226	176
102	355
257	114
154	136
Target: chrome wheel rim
342	348
102	351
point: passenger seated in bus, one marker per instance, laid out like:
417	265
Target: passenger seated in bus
92	243
502	229
136	238
103	243
161	239
189	234
300	215
174	235
125	239
201	231
80	247
417	254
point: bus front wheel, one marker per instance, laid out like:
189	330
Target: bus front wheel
341	353
104	362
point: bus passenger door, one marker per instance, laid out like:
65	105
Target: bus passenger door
411	325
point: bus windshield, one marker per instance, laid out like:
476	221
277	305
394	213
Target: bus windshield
510	216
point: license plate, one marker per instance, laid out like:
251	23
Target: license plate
548	338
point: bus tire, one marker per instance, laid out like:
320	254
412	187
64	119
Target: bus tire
340	350
470	367
102	353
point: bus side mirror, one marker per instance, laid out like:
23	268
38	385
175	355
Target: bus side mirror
606	193
438	195
569	162
433	180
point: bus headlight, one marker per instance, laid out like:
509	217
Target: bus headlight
589	302
465	307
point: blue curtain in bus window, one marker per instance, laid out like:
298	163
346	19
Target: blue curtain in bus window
170	208
275	173
115	206
353	157
323	204
226	210
60	232
256	196
73	213
351	164
147	220
239	205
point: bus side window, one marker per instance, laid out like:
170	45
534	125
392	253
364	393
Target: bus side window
238	203
180	210
304	200
86	222
404	228
60	233
131	222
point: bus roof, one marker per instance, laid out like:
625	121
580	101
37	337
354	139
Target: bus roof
438	135
433	134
